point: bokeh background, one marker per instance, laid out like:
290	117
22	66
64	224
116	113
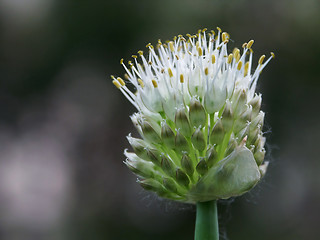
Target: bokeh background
63	124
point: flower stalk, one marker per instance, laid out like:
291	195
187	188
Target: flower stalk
207	227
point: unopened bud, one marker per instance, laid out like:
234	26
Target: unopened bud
255	102
240	105
186	164
231	146
182	122
259	156
227	116
197	114
167	135
149	133
167	165
154	156
181	143
243	119
202	167
260	141
263	168
198	140
217	133
151	185
170	184
212	156
182	178
244	132
138	146
258	120
139	166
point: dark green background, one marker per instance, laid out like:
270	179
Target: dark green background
63	124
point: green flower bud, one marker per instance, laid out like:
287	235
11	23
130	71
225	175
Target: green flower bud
182	178
170	184
239	102
217	133
258	120
138	145
138	166
167	166
256	104
181	144
198	140
152	185
182	122
154	156
167	135
197	114
231	146
263	168
149	133
227	116
186	164
202	167
243	119
212	156
259	156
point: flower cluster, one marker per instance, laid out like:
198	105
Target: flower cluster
198	116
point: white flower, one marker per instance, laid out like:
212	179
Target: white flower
198	116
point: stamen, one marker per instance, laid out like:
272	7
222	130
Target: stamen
206	71
155	84
140	82
261	59
250	43
116	83
121	81
213	59
171	46
181	78
246	67
170	72
230	58
239	65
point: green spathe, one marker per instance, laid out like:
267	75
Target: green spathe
232	176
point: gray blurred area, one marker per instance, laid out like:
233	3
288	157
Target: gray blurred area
63	124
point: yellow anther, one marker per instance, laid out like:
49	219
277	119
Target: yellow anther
134	56
159	41
225	36
236	54
171	46
126	76
250	43
140	82
129	62
244	45
177	57
272	54
213	59
174	38
121	81
112	77
181	78
180	36
226	41
179	48
213	32
200	51
199	31
188	35
219	29
246	68
162	70
261	59
150	63
121	61
151	47
230	58
239	65
116	83
148	45
165	45
205	29
155	84
140	53
170	72
251	51
197	44
206	71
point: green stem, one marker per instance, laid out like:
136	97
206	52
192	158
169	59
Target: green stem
207	221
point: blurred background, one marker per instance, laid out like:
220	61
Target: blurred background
63	124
